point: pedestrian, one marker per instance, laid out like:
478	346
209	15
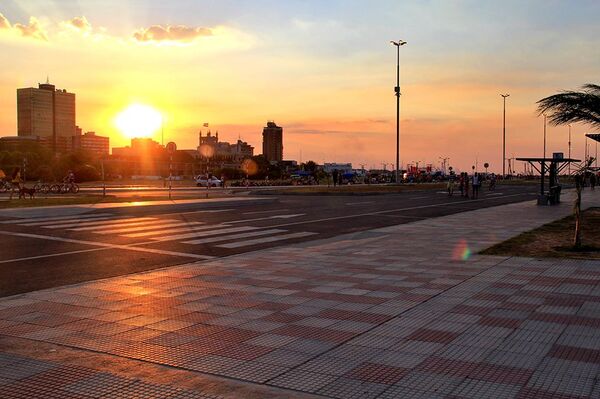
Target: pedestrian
334	175
466	177
461	184
15	181
450	186
593	181
223	181
476	185
493	182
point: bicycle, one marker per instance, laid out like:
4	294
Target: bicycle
5	186
69	188
43	188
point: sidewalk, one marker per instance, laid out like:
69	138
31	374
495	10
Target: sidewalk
405	311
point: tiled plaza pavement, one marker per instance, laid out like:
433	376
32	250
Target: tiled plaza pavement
396	312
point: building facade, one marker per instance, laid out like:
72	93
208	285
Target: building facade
223	152
273	142
90	142
47	113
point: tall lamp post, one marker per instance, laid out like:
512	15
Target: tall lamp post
397	90
504	135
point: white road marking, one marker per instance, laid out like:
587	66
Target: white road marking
130	247
68	221
359	203
100	223
207	211
491	194
288	216
422	197
122	225
170	231
204	233
148	227
235	236
265	240
96	215
258	212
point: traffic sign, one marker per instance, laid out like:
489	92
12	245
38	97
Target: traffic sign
171	147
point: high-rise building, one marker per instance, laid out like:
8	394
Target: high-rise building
273	142
46	112
98	145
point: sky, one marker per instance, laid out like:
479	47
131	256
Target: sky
324	70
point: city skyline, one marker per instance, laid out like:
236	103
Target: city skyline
325	72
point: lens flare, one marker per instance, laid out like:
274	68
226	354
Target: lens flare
461	251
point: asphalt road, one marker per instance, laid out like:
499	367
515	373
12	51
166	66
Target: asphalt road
52	251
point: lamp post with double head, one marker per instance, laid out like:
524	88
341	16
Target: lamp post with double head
398	44
504	135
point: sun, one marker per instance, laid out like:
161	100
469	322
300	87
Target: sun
138	120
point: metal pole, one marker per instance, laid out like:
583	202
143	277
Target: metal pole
103	181
397	114
569	149
543	170
504	134
397	90
170	173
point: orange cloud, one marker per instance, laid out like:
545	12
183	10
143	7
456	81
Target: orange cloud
4	24
176	33
78	23
34	30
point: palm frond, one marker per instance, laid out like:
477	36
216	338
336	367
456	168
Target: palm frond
573	106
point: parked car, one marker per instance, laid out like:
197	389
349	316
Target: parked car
202	181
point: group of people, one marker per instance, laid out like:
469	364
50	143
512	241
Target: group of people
338	177
17	183
469	186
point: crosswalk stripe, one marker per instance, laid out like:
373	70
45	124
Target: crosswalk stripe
74	222
204	233
114	221
57	218
234	236
263	240
97	229
170	231
147	227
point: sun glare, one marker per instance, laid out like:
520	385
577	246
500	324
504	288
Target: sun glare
138	120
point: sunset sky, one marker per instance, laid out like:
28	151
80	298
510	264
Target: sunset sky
324	70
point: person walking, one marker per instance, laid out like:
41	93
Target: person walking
466	177
450	186
334	175
476	185
15	181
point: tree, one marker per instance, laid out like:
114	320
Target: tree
573	106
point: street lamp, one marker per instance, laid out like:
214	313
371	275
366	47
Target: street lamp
504	134
397	90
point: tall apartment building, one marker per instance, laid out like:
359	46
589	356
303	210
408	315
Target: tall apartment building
47	113
273	142
98	145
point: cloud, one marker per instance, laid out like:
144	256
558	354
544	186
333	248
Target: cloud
175	33
78	23
4	24
34	30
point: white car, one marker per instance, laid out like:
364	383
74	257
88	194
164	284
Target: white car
202	181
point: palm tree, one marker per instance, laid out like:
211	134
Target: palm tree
573	106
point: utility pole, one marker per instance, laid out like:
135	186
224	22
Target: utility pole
504	135
397	90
